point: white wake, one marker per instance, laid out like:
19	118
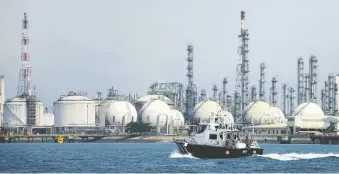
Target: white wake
298	156
176	154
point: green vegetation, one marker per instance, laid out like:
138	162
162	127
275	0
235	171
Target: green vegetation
135	127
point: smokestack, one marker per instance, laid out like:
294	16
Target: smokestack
242	21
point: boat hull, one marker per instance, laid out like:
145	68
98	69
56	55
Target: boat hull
204	151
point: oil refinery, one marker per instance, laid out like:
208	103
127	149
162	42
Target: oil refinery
172	107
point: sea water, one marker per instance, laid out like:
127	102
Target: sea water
160	157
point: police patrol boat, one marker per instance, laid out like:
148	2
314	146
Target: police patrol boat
214	140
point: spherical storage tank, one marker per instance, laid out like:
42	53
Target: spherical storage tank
74	110
116	112
155	112
309	109
144	99
177	118
258	112
205	109
277	115
15	112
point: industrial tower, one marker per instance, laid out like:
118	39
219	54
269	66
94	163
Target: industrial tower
291	95
306	87
203	95
24	86
224	92
191	90
284	99
313	78
274	91
331	99
215	93
242	81
253	93
262	82
300	88
326	98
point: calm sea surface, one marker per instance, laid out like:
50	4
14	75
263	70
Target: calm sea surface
160	157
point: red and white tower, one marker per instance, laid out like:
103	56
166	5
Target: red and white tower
24	86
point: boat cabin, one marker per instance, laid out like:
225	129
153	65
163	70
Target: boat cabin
214	134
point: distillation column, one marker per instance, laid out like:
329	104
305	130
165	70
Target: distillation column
331	94
326	91
284	93
191	91
300	88
242	80
274	91
313	78
306	87
224	92
323	100
262	82
203	95
253	93
215	93
291	90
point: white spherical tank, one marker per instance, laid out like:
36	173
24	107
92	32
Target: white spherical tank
277	115
309	109
156	112
258	112
144	99
117	112
204	109
178	118
15	112
74	110
230	117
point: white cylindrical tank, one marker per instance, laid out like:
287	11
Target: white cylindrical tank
204	109
178	118
15	112
156	112
144	99
74	110
39	113
97	119
117	112
257	112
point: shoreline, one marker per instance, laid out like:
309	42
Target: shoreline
149	139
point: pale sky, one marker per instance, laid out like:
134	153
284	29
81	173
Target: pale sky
87	45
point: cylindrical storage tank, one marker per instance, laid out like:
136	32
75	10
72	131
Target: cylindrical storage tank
15	112
257	112
156	112
205	109
144	99
97	119
74	110
178	118
117	112
39	113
